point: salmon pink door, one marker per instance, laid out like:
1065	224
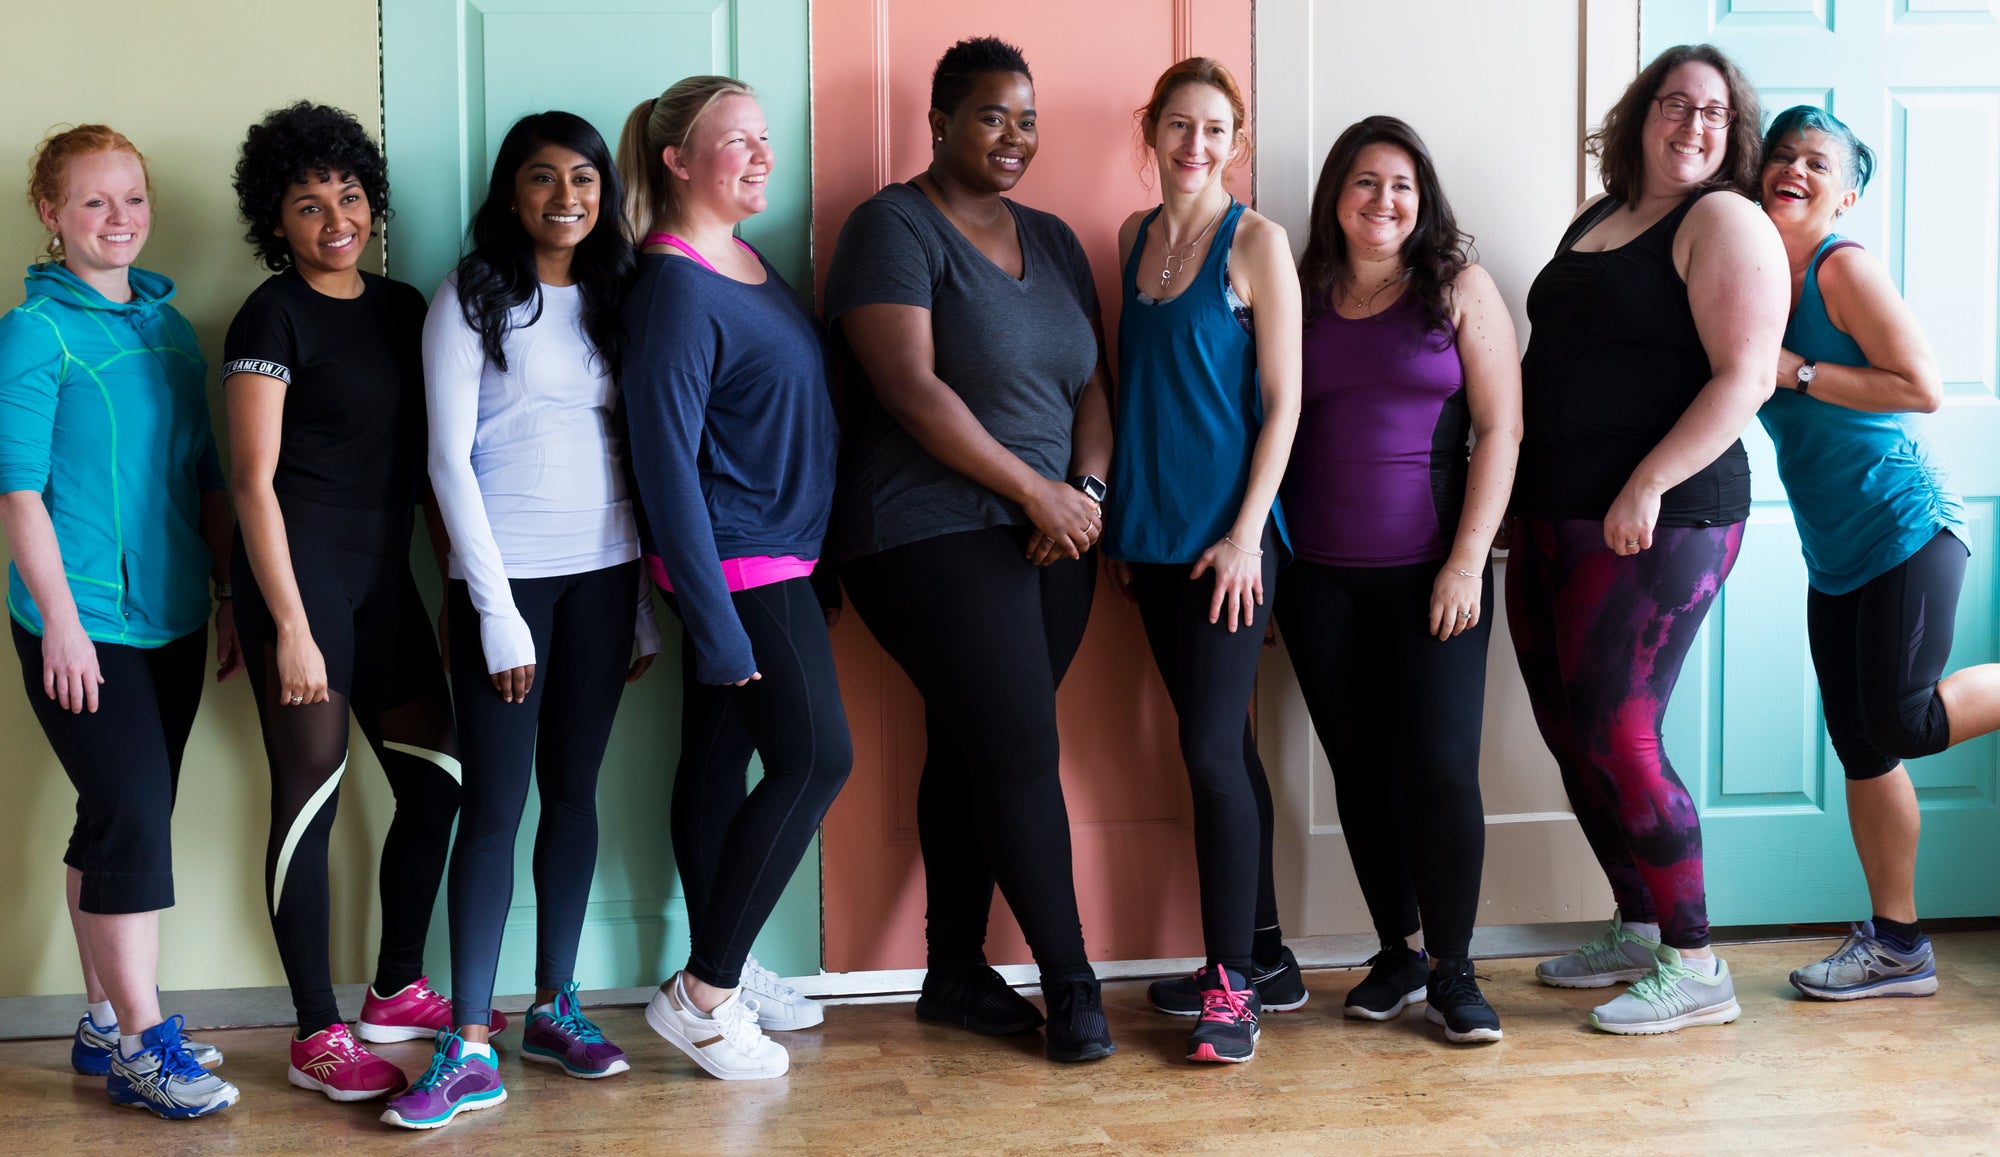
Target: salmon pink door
1129	804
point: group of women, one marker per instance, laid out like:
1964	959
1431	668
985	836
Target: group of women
613	393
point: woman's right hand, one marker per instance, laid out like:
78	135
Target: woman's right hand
69	668
1120	573
514	682
301	671
1065	516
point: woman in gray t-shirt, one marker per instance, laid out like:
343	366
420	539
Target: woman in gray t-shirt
968	325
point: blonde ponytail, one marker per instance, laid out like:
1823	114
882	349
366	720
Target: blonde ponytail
652	196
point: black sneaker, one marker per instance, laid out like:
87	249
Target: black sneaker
1077	1029
1281	986
973	996
1227	1031
1458	1005
1397	978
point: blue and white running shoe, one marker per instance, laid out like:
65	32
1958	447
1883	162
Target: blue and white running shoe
1865	965
90	1050
165	1079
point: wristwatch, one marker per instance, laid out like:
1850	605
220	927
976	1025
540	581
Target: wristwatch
1092	486
1808	370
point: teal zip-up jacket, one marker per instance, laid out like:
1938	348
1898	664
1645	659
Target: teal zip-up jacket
104	413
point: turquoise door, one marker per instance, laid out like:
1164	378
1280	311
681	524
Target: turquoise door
455	75
1919	81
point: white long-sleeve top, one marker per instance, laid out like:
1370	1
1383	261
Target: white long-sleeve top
527	463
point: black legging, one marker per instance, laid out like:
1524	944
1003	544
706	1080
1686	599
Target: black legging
125	762
1399	714
1210	674
737	850
986	637
582	630
1878	651
353	575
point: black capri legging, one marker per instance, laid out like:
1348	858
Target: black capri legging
125	761
986	637
1879	650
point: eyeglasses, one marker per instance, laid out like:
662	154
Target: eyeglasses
1715	116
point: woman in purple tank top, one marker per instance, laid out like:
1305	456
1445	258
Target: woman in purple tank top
1408	350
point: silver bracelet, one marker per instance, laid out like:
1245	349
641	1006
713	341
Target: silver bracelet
1241	547
1466	573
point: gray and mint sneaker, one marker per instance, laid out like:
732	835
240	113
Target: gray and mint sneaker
1865	965
164	1078
1673	996
1616	956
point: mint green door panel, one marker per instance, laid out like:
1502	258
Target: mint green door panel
1919	81
456	74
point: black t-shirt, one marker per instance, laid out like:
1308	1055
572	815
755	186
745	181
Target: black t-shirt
354	428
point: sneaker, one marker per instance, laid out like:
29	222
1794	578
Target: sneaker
1077	1030
973	996
780	1007
165	1079
725	1041
331	1061
1227	1030
1454	1001
568	1038
1280	986
414	1012
1865	965
1672	996
1617	956
90	1050
1398	977
457	1081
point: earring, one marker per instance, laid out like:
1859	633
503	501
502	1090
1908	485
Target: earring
55	241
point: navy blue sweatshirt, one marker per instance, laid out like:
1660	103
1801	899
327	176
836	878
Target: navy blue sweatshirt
733	437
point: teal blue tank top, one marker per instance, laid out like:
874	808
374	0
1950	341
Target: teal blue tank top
1864	491
1189	412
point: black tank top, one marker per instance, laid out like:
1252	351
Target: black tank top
1613	362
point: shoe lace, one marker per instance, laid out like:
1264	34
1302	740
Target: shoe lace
1225	1005
765	982
423	993
1661	987
341	1041
443	1063
174	1055
570	1018
1456	987
1383	965
1855	947
737	1021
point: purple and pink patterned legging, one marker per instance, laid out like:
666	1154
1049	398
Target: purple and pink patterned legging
1601	638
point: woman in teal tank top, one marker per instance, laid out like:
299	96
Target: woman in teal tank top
1208	375
1880	535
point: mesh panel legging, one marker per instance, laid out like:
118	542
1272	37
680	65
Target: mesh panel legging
1601	638
352	570
986	638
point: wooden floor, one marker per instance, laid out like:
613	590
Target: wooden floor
1791	1077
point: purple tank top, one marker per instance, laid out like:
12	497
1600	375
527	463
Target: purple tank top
1377	475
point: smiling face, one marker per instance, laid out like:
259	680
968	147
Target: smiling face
104	215
556	195
1805	183
1195	137
325	219
1682	154
1377	209
727	159
989	140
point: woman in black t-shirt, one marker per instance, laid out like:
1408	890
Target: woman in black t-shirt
1655	328
971	321
323	373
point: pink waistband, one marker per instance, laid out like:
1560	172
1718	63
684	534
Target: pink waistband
741	574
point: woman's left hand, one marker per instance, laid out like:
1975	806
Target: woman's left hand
1788	369
1628	525
641	664
228	647
1454	602
1239	583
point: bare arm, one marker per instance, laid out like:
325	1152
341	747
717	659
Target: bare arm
256	404
69	660
1739	287
1902	374
1490	359
218	522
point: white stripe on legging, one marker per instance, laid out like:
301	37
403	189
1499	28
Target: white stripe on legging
299	824
448	763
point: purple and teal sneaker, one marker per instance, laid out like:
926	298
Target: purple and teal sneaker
456	1082
569	1039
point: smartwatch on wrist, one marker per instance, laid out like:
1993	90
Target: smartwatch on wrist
1092	487
1808	370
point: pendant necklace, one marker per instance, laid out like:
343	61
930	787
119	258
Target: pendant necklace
1176	259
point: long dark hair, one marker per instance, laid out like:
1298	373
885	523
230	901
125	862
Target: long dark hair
1618	143
498	274
1433	255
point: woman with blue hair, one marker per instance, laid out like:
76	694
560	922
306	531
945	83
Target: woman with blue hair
1880	535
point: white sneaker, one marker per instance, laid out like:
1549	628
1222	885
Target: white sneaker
726	1042
780	1007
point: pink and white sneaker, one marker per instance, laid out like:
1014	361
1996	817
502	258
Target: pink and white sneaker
412	1013
330	1061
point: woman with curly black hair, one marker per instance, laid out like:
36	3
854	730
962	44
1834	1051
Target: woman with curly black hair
324	379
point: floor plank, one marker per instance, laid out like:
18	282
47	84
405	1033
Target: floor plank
1791	1075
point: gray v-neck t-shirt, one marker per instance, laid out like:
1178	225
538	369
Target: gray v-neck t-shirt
1018	352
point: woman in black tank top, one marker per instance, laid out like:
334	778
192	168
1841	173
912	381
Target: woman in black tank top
1654	328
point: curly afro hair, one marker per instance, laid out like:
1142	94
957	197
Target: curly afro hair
287	147
961	66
